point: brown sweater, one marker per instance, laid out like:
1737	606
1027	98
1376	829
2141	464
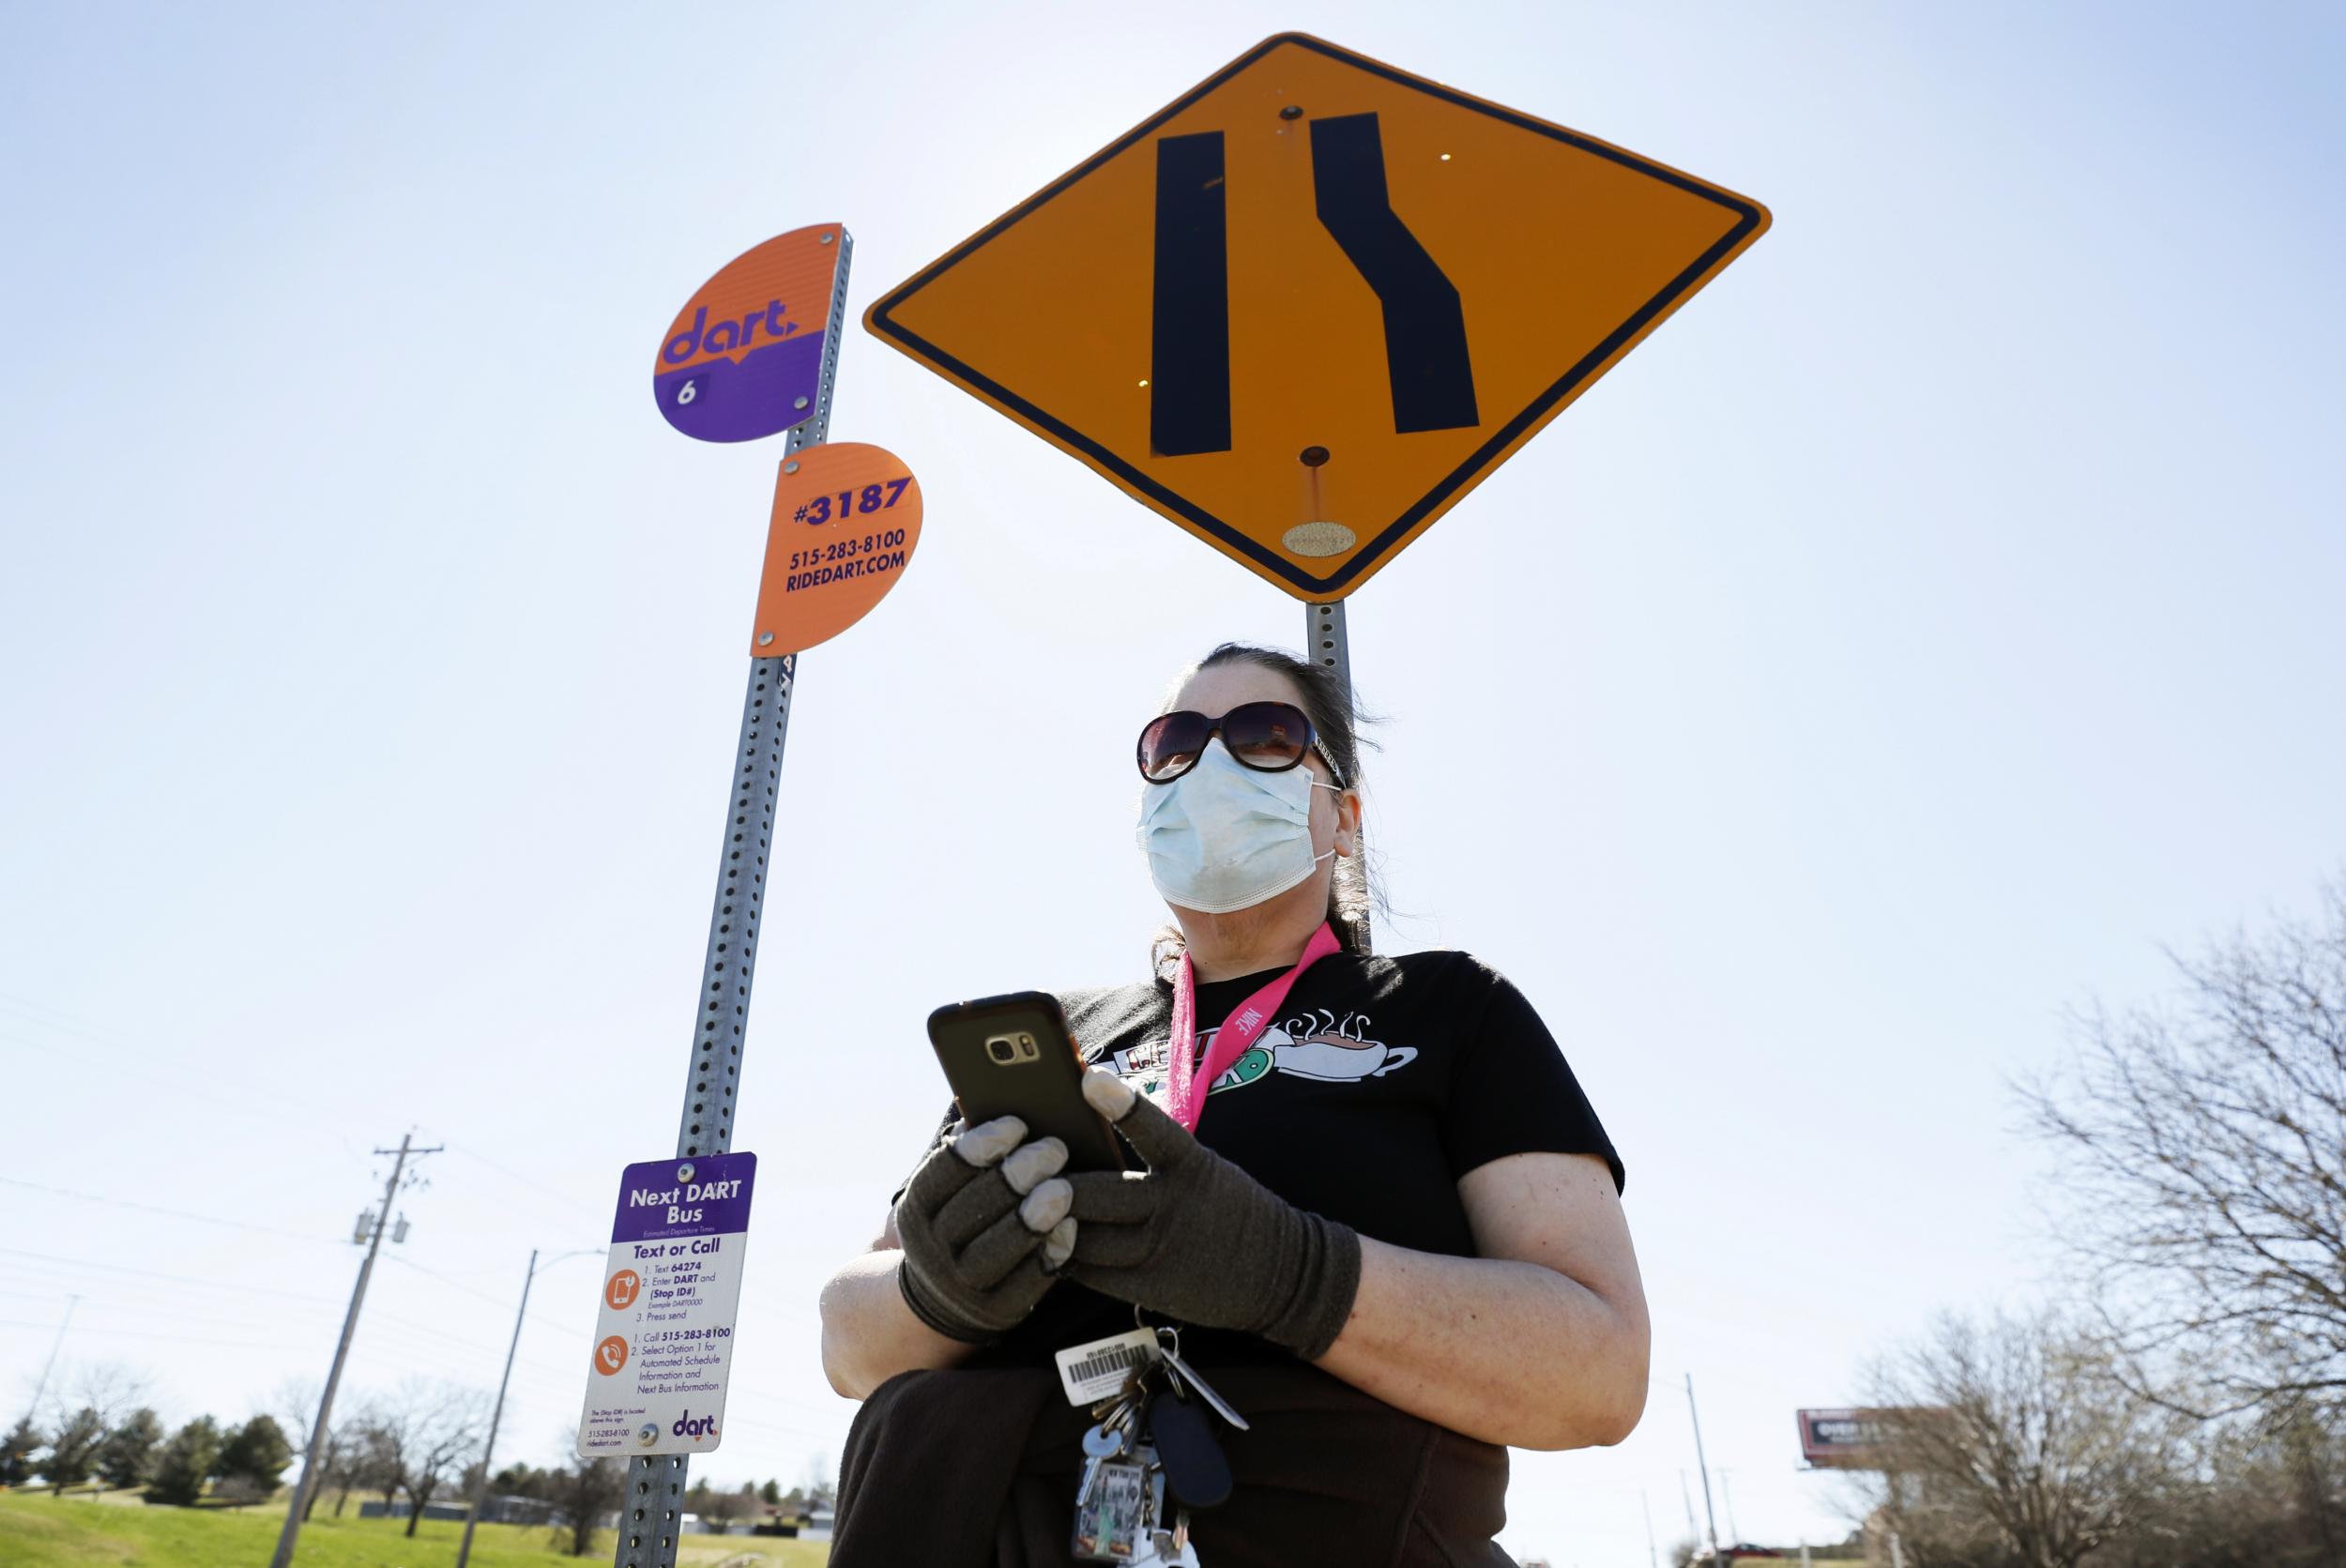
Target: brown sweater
974	1468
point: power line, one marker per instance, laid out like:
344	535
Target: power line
157	1273
140	1334
568	1199
157	1209
164	1061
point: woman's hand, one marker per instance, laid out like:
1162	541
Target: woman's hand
985	1225
1199	1238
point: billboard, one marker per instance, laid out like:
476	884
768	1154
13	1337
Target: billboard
1840	1440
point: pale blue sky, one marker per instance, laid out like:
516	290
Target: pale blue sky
1933	619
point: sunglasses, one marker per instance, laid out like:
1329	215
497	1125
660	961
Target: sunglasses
1268	737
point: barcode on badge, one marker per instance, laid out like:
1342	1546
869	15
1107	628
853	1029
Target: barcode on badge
1092	1371
1116	1358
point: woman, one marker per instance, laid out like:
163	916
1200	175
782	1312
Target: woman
1394	1240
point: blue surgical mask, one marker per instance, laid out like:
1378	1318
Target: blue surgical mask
1225	836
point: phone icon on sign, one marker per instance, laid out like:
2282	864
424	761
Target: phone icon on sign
620	1290
611	1355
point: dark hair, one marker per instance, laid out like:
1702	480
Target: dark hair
1327	702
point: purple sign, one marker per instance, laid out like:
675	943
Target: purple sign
772	388
706	1194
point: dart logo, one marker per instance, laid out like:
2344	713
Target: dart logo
744	358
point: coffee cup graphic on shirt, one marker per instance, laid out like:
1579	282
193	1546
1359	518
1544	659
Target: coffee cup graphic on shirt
1327	1053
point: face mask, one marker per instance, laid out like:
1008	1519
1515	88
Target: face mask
1225	836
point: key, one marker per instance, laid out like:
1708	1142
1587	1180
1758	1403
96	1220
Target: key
1170	1346
1104	1442
1117	1401
1133	1428
1092	1463
1113	1414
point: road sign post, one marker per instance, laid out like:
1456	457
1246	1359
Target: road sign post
652	1506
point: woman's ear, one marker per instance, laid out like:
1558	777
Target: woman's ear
1348	841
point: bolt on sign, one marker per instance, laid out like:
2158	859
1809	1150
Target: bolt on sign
744	358
1310	304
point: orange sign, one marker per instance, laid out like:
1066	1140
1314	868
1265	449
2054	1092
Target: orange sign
846	519
610	1355
621	1289
1305	308
744	358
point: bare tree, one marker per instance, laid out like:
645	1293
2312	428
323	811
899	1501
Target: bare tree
295	1407
2012	1442
73	1449
420	1439
581	1496
724	1510
107	1389
2268	1492
374	1458
821	1490
2205	1149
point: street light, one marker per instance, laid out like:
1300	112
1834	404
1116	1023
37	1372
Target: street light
481	1488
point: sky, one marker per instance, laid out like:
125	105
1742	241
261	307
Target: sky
1929	627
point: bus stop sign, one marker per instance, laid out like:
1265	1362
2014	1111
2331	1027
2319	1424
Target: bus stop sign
1307	307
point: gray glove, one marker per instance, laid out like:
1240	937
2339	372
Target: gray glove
1197	1239
984	1224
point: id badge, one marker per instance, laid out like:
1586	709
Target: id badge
1112	1524
1095	1369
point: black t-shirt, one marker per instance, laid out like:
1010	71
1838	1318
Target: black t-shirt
1382	1082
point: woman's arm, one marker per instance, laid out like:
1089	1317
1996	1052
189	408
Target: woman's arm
1540	1342
869	1334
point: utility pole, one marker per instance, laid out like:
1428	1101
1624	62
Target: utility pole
71	1303
1727	1496
283	1559
480	1491
472	1514
1653	1554
1708	1512
1694	1530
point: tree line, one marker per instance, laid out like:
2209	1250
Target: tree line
240	1464
413	1444
2187	1406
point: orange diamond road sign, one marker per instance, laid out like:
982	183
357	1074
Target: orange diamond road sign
1309	305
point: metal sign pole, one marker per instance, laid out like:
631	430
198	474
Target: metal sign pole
1325	642
651	1510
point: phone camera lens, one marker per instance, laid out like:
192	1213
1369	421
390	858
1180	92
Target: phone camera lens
1001	1050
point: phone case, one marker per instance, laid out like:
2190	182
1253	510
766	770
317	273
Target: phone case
1013	1056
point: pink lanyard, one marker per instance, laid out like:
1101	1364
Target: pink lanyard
1253	1015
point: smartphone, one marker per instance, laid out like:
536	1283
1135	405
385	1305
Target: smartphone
1013	1056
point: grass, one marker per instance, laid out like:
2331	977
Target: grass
38	1531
